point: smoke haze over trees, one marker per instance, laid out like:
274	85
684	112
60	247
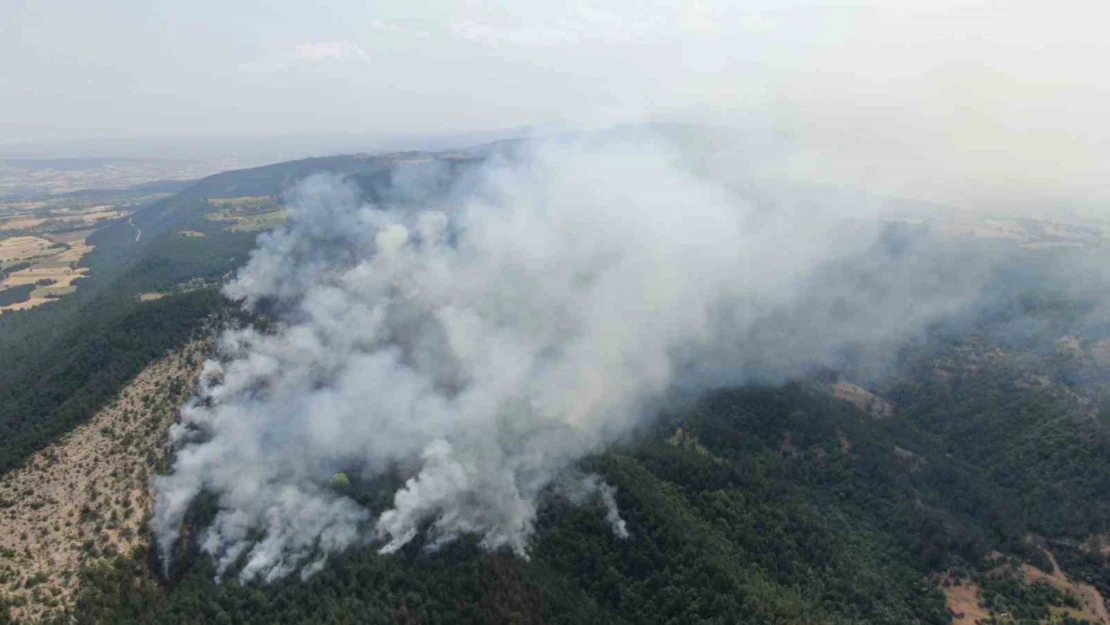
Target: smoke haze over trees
483	339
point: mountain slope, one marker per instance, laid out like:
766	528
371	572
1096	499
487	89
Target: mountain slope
760	505
844	497
62	361
84	499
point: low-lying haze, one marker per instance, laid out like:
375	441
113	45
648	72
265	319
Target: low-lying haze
981	103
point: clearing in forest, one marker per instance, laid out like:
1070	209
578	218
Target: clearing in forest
863	399
963	596
1093	605
962	599
248	214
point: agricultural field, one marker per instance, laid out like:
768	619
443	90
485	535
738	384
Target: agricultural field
247	214
45	268
42	243
52	220
35	177
57	215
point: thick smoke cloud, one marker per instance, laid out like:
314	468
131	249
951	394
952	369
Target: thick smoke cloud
484	343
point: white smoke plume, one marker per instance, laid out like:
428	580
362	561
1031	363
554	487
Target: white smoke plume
487	342
579	491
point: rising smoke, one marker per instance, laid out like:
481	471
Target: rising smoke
488	341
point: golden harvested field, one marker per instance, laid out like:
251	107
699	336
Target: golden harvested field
87	497
19	249
21	224
88	217
71	237
61	275
57	264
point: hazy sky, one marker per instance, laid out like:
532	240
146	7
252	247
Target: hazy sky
1011	93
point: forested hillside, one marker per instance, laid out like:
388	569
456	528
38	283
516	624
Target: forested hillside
758	505
974	476
60	362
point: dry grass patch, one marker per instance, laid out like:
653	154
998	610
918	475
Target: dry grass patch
86	498
962	599
1094	606
863	399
